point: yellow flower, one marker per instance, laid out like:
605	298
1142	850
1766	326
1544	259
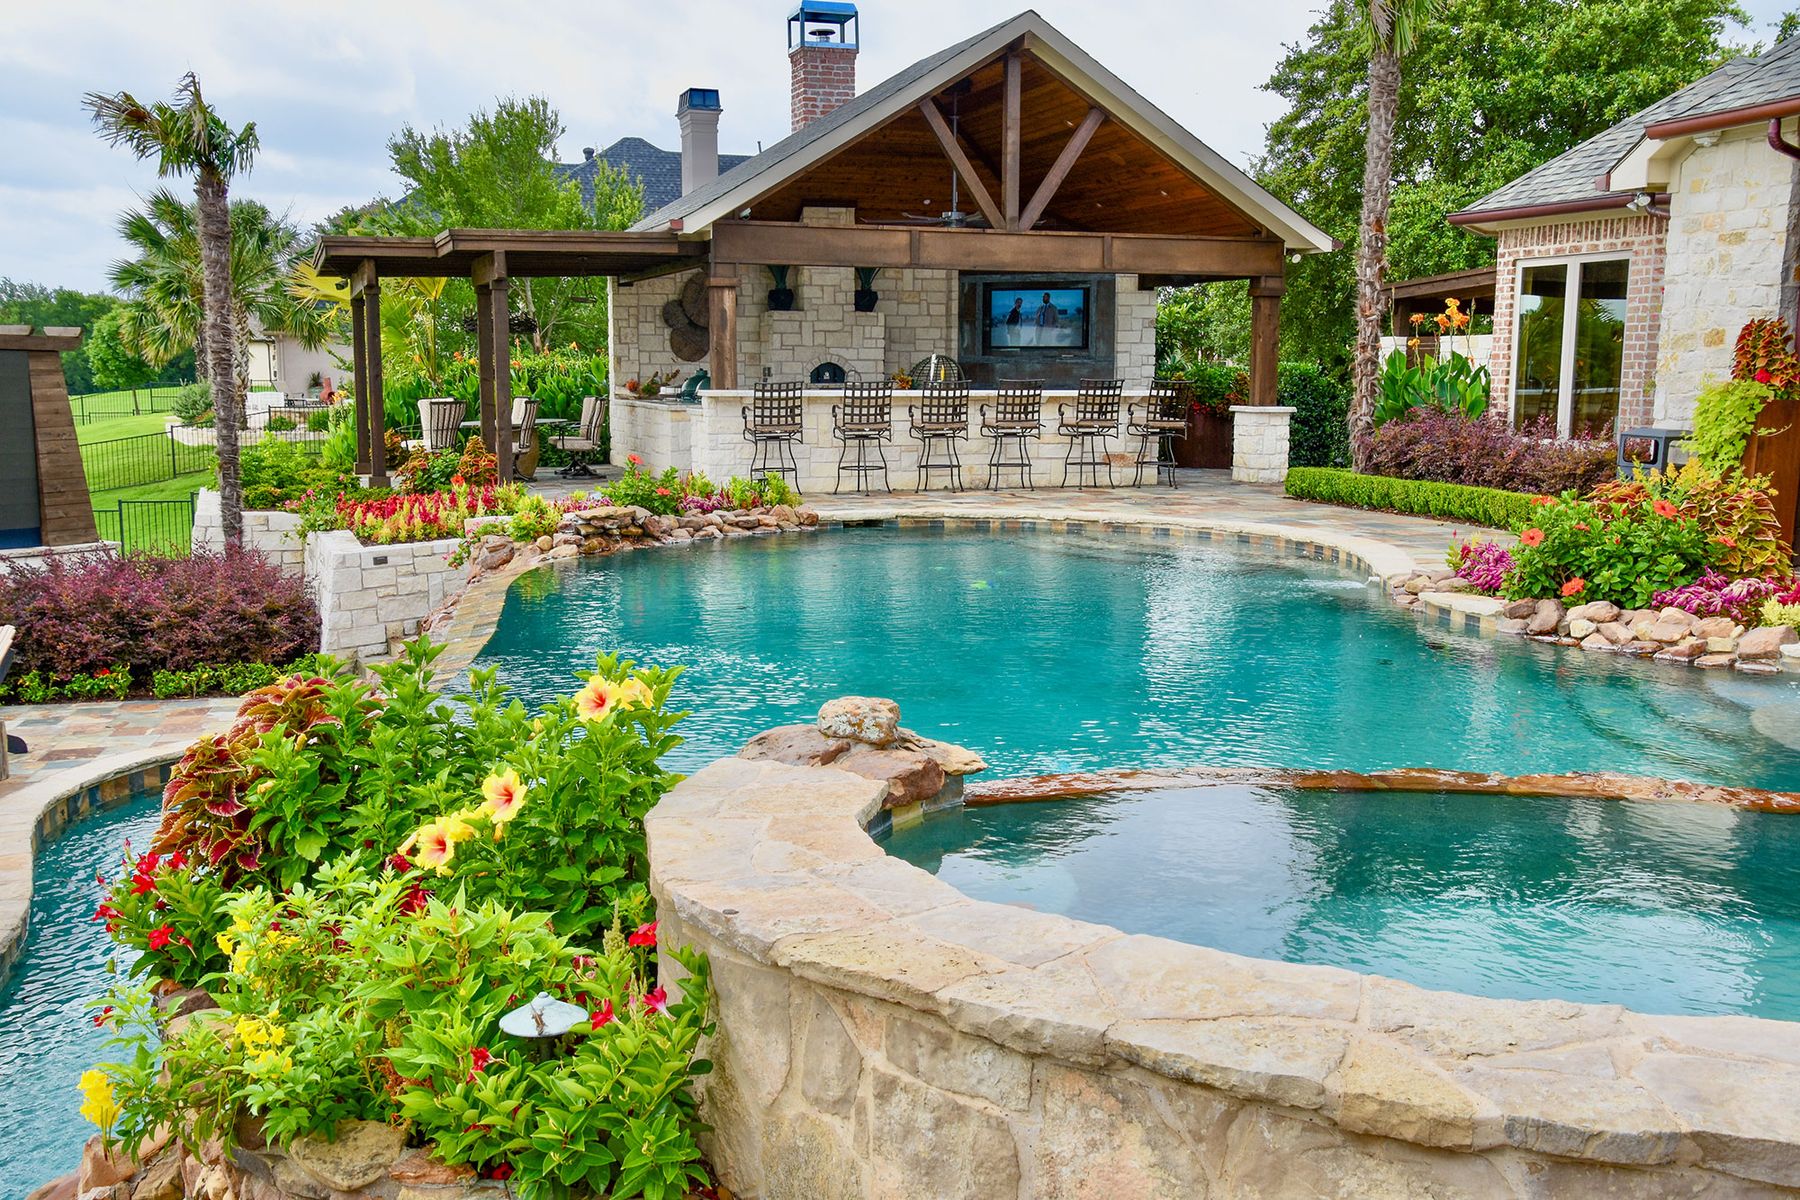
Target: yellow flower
596	701
432	846
635	693
98	1104
502	795
225	945
242	924
457	825
240	960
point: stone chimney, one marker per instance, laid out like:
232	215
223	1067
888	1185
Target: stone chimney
822	43
698	111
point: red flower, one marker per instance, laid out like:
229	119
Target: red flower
602	1016
1540	500
142	883
400	863
160	936
413	903
502	1172
634	460
1532	537
479	1057
645	936
656	1002
104	1013
103	672
1574	587
1663	508
1582	525
1762	375
107	912
177	860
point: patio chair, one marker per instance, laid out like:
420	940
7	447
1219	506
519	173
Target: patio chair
1096	419
772	426
525	444
1018	421
1164	419
864	420
582	445
938	423
441	417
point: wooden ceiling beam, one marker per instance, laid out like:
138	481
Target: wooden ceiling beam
1010	154
947	139
1059	171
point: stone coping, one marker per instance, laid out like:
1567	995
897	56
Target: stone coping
38	812
773	863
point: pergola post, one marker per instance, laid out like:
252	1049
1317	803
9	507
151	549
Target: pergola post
1265	336
369	389
494	347
359	364
1259	429
721	324
484	381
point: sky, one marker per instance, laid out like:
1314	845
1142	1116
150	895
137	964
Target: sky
329	81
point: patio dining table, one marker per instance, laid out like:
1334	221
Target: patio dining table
551	423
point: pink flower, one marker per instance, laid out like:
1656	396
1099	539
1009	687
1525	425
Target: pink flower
645	936
656	1002
1532	537
1663	508
161	936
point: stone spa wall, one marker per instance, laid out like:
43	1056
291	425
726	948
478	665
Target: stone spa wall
881	1035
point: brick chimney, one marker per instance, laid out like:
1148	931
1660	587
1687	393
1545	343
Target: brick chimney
822	43
698	111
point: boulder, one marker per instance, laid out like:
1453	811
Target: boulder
1666	632
1766	641
1717	627
1616	632
1597	611
1594	641
360	1153
1519	609
1514	625
797	745
784	514
418	1167
808	517
561	539
1545	618
868	719
956	760
1760	667
1581	627
161	1180
61	1188
911	775
1721	645
1671	613
1417	584
101	1169
1456	583
1639	646
692	521
545	541
1715	661
660	526
1682	651
564	551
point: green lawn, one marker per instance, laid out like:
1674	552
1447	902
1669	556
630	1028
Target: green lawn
121	427
168	489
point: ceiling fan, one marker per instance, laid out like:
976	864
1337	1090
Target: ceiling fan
955	218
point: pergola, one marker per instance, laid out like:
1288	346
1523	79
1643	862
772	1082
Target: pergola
490	259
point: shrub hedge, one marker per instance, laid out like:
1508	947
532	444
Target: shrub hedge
1429	443
1488	507
1320	433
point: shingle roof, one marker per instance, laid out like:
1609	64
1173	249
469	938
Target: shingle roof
1575	174
657	169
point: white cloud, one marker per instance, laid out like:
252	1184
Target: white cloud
327	83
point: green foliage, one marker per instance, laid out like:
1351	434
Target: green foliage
44	687
661	494
1455	385
1319	435
277	471
112	364
1724	419
1734	511
223	679
429	471
1203	321
318	421
168	909
39	306
1625	552
560	379
193	404
1774	612
282	423
1487	507
533	517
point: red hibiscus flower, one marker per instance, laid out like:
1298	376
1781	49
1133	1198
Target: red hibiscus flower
479	1058
656	1002
1574	587
161	936
602	1016
1532	537
1663	508
1762	375
645	936
502	1172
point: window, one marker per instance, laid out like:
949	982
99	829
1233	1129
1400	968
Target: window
1569	359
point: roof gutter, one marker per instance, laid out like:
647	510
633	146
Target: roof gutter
1527	211
1772	110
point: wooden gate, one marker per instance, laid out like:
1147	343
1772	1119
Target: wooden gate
1774	450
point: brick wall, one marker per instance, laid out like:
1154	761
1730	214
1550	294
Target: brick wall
1642	239
823	79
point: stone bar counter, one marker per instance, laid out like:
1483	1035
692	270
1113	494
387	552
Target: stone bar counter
708	436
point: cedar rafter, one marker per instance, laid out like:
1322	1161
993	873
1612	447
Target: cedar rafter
1059	171
960	160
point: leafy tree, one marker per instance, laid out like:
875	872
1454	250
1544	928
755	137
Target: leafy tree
186	136
36	305
115	365
497	172
1495	88
1206	321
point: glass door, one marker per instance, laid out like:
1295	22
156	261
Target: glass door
1538	362
1568	367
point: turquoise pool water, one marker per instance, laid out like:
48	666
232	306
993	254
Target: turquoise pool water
1665	908
47	1033
1049	653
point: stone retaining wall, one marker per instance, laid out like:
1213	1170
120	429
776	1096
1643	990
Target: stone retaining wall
369	596
880	1034
274	535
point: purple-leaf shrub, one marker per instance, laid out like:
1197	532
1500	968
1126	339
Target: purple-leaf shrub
1715	595
79	616
697	505
1484	564
1431	444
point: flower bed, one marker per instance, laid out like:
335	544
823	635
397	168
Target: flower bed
362	928
1431	444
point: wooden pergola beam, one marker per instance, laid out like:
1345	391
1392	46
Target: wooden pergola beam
1059	170
960	160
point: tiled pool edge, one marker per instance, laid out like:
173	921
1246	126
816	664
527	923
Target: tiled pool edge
40	812
881	1033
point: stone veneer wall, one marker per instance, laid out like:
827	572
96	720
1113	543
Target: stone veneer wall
1641	238
1259	442
274	535
1733	224
369	596
880	1034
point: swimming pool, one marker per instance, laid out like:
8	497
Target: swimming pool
1051	653
47	1032
1664	908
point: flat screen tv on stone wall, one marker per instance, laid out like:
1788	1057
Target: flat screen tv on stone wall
1028	316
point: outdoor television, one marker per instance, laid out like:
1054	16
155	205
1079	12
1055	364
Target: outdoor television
1035	316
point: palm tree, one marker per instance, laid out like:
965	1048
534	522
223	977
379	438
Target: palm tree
1394	28
187	137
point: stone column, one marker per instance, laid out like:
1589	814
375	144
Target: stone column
1259	442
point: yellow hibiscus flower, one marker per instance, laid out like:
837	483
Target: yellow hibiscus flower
596	701
502	795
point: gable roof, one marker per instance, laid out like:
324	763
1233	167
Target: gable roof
657	169
1577	177
740	187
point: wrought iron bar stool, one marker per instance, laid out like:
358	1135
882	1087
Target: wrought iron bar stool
1165	418
939	422
1018	420
772	425
1096	419
864	420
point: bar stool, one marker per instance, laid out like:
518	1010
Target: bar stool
772	426
864	420
940	421
1165	419
1018	420
1096	419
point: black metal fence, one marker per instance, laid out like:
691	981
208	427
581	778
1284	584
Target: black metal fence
160	527
147	458
103	406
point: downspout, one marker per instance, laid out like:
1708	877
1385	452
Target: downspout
1780	143
1790	300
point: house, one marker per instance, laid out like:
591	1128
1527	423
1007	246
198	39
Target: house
280	363
1671	230
658	170
1009	168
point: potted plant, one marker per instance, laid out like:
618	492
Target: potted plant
1217	386
781	296
315	383
866	295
